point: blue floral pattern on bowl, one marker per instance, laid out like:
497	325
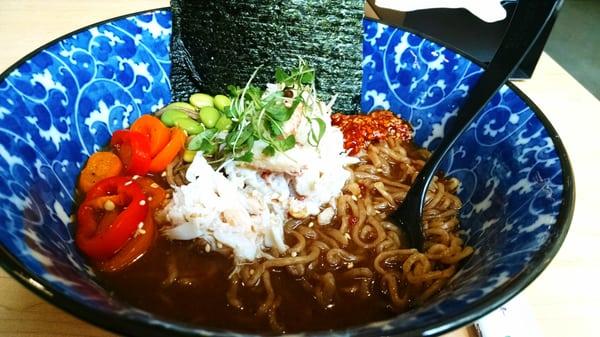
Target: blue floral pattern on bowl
62	103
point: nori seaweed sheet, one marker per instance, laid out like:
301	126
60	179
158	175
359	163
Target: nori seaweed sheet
220	42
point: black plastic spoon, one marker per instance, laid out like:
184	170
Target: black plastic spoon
529	19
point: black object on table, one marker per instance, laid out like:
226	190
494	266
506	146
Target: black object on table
466	32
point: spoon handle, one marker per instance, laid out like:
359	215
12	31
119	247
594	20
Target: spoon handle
529	19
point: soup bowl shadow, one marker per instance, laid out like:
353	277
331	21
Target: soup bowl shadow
63	101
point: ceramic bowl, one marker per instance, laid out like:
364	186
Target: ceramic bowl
62	102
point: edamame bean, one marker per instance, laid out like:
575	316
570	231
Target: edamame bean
222	102
170	116
181	105
223	124
201	100
188	156
209	116
189	125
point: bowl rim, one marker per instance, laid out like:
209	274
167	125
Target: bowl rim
131	326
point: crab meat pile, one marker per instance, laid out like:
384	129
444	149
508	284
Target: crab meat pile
246	205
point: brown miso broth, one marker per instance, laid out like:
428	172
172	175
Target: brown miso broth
199	294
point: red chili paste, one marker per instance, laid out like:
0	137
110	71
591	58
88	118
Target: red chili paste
362	130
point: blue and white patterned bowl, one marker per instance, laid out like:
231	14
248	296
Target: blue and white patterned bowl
62	102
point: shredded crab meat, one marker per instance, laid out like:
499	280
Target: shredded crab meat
246	206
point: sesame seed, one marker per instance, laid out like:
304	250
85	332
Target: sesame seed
347	236
164	174
135	177
127	183
219	245
142	202
139	231
207	248
109	205
354	198
294	254
149	198
154	185
350	265
311	224
251	271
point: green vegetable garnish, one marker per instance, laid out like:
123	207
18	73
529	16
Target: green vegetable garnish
259	115
314	137
209	116
204	141
221	102
201	100
189	125
224	123
170	115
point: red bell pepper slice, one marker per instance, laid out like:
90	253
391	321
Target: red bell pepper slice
133	250
109	216
155	194
133	148
176	143
155	130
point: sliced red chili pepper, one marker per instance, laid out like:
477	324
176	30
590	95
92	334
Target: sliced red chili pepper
133	250
133	148
155	130
100	234
154	193
106	188
169	152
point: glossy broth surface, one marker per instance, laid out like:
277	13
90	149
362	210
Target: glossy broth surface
199	294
